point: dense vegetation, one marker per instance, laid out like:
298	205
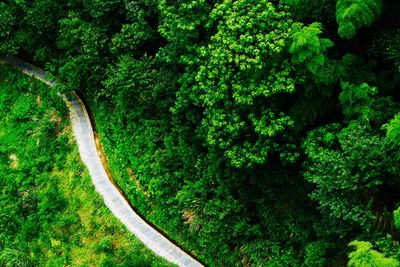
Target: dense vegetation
50	214
254	132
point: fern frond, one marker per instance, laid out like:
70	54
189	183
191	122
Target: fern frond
309	49
354	14
393	134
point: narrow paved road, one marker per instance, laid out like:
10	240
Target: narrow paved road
84	135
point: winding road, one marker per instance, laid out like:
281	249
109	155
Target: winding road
117	204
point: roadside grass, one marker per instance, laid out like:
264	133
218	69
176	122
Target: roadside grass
50	214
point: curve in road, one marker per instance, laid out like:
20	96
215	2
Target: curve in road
118	205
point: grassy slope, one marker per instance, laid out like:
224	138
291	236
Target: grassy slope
50	214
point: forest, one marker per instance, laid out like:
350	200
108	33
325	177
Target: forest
252	132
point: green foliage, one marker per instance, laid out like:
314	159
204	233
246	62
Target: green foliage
241	71
141	82
357	101
131	37
137	33
100	8
34	32
182	24
309	49
80	37
354	14
8	44
316	254
396	215
365	256
84	44
105	245
393	129
14	257
347	165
